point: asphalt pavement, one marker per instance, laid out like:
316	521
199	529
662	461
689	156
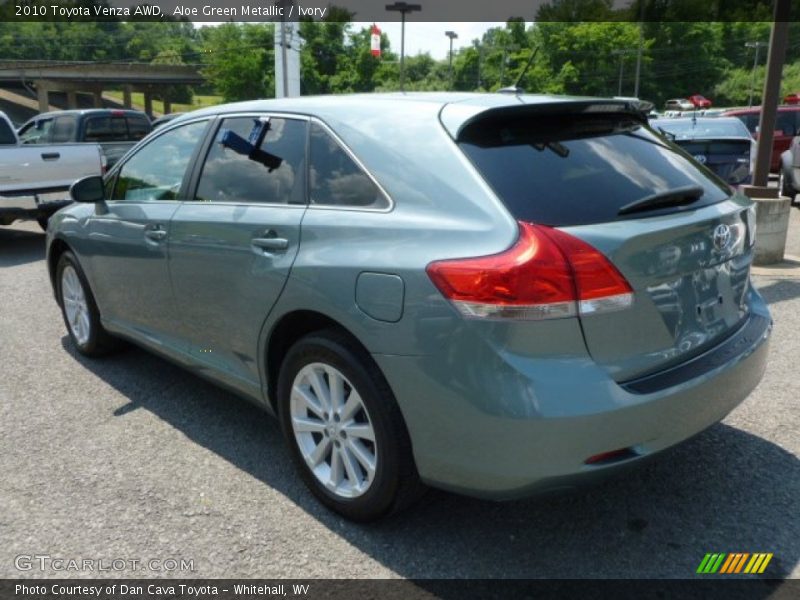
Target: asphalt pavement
130	458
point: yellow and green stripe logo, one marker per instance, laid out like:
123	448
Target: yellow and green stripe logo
734	562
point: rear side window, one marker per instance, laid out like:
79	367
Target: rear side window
7	137
335	179
63	129
580	169
232	177
750	120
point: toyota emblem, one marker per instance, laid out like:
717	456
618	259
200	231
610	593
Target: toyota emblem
721	237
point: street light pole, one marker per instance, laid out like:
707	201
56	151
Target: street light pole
757	46
452	35
403	8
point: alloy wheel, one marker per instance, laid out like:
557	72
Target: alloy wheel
76	307
333	430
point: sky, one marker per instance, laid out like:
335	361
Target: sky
423	36
430	37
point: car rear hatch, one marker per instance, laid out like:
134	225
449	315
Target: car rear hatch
673	230
728	158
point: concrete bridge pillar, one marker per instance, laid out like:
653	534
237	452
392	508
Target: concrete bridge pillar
126	96
98	98
148	103
72	99
167	106
42	91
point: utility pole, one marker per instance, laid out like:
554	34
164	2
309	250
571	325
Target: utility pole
403	8
640	50
452	35
757	46
287	65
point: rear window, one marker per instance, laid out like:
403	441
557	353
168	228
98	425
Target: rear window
105	129
115	128
716	147
703	128
581	169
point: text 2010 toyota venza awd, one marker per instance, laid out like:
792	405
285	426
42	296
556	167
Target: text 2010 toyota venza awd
492	294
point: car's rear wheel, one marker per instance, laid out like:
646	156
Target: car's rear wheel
343	427
79	309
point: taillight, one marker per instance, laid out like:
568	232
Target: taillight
546	274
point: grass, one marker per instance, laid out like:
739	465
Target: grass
137	99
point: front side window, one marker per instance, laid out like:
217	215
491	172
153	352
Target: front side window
156	171
335	179
276	178
37	132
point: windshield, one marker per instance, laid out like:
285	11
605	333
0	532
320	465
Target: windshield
581	169
702	128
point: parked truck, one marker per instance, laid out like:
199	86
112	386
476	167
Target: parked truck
35	179
116	131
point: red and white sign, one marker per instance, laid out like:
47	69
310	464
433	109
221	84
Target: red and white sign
375	41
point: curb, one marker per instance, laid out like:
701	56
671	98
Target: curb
789	267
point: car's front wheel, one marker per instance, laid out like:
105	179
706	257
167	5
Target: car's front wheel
80	310
344	429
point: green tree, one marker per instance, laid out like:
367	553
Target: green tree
239	60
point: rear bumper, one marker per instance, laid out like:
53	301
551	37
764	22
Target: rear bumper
537	433
29	207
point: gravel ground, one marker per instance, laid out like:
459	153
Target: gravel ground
130	457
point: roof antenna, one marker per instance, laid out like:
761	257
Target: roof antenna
515	89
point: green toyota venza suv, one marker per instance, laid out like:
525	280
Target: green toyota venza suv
493	294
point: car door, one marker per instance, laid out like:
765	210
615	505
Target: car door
128	234
233	244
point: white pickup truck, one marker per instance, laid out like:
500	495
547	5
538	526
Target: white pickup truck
34	179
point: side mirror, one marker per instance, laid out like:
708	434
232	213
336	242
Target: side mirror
89	189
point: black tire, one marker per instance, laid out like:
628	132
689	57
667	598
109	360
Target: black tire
99	341
396	483
43	221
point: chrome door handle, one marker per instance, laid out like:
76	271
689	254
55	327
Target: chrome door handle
155	234
271	243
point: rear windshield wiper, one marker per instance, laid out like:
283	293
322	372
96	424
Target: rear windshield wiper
675	197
